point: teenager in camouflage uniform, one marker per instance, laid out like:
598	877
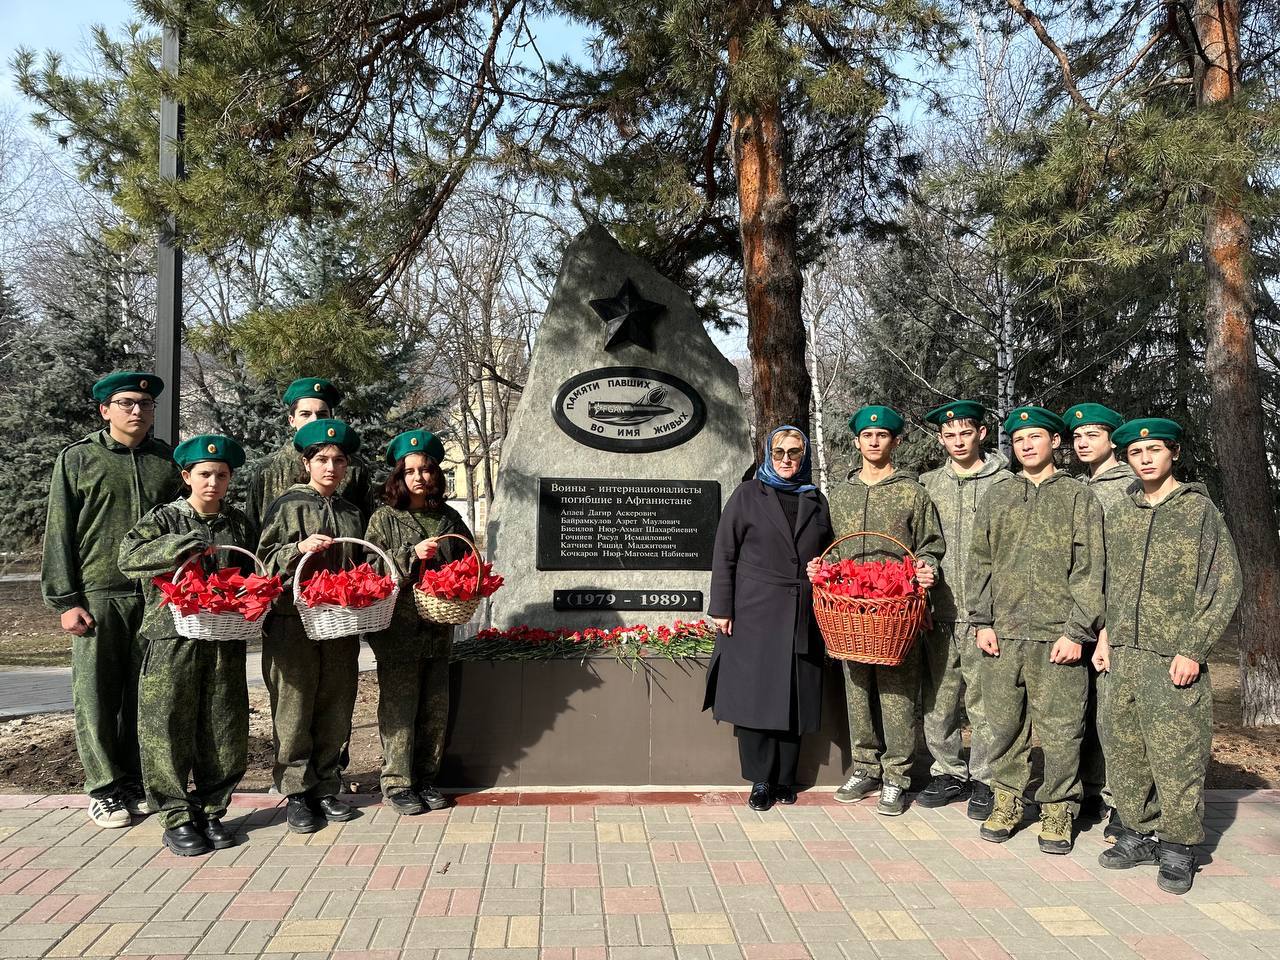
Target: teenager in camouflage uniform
413	654
1034	584
881	498
950	687
101	486
308	399
193	709
1091	426
312	683
1173	583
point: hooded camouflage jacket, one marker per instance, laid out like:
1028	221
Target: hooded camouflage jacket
169	535
295	515
1111	486
398	532
275	474
956	499
100	488
1173	578
898	506
1035	567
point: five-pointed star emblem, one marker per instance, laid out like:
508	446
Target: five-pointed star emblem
628	317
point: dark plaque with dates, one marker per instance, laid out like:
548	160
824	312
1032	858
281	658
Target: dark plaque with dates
593	524
598	598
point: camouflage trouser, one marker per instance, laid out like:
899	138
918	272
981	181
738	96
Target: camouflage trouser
950	688
105	664
313	692
1022	691
882	717
1093	764
413	710
1158	739
193	722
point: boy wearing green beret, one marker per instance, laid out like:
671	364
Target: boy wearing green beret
312	683
307	399
1173	583
193	709
1035	591
883	499
950	685
101	486
413	654
1092	426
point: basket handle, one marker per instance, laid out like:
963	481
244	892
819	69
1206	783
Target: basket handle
479	559
177	574
870	533
297	574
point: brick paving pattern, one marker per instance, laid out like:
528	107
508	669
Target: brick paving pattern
604	877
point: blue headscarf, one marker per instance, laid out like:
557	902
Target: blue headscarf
801	482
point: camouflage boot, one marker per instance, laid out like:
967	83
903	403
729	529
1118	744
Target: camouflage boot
1055	828
1004	819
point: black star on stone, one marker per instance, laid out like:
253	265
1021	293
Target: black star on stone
628	317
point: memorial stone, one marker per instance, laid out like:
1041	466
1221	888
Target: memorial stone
630	434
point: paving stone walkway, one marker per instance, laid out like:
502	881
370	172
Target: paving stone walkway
670	876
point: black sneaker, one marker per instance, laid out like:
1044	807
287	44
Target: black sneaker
942	789
1132	849
433	798
404	802
760	798
1177	867
185	840
980	803
219	835
299	816
1114	827
334	809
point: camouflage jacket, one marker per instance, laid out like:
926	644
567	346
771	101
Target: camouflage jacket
1035	567
397	532
1173	578
295	515
1111	487
279	471
956	499
898	506
100	488
169	535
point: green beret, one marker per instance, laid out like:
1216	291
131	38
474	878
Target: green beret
327	432
209	446
1084	414
1146	428
114	383
316	388
1023	417
956	410
881	418
415	441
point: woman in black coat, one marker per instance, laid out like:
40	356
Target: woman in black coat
766	673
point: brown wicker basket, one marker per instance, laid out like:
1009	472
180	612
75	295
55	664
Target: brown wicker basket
875	630
438	609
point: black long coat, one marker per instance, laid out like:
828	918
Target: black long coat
768	675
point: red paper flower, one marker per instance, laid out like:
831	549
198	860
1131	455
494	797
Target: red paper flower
870	579
223	591
457	580
361	586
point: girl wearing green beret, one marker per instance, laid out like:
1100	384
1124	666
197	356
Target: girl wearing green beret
312	683
193	703
413	654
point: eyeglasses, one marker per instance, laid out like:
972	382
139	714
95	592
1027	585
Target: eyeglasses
128	406
791	453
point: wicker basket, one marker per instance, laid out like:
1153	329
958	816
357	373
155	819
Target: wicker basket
216	626
877	630
439	610
328	621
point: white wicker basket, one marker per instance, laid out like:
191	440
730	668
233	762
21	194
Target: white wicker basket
327	621
216	626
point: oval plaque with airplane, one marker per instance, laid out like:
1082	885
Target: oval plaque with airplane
628	409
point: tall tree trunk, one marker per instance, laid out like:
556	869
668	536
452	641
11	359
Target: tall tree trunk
775	326
1234	385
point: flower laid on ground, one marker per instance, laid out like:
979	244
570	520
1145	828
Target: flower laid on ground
224	591
681	639
361	586
869	579
457	580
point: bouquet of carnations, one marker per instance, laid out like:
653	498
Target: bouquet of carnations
360	586
868	578
223	605
452	593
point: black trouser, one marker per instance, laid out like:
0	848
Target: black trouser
768	756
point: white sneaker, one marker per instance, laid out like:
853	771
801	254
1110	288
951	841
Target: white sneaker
135	800
108	811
